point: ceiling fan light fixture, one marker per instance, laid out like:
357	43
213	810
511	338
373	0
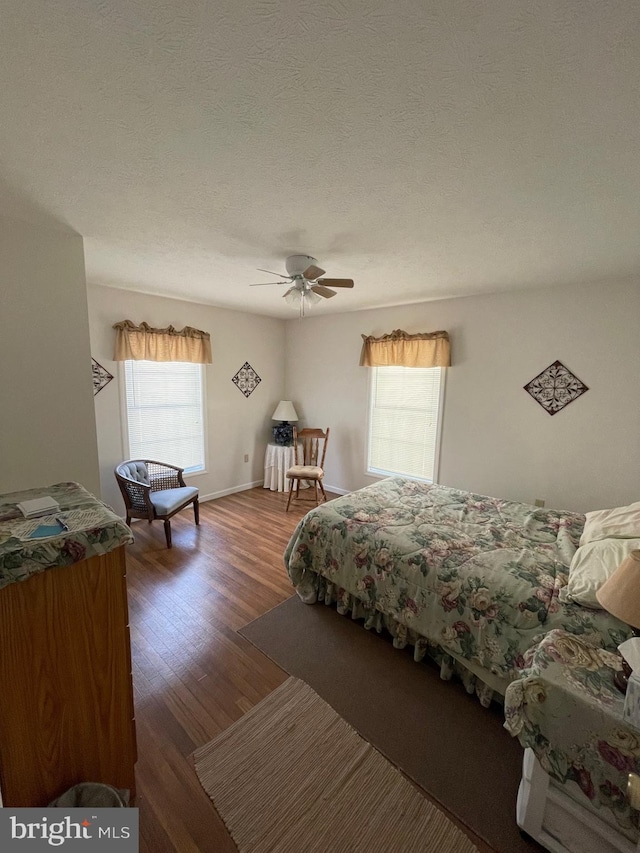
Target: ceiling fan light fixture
312	298
301	297
292	297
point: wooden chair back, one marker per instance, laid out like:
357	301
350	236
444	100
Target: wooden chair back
311	446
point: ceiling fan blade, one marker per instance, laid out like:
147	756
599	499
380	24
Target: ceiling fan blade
267	283
279	274
323	291
337	282
291	289
312	273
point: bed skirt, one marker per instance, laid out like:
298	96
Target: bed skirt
486	686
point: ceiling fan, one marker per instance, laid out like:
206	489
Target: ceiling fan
307	284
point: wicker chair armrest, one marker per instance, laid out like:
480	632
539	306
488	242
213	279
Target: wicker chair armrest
136	494
164	476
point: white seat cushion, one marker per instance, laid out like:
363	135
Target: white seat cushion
166	501
308	472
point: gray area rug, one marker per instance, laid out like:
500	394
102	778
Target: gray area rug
436	733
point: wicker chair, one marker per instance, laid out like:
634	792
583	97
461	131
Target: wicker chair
155	490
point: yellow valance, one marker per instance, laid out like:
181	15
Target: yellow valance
425	349
143	343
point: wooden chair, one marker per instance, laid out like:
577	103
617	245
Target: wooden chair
155	490
311	447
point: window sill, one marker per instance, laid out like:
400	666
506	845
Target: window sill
382	475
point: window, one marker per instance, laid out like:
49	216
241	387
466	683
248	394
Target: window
165	418
404	421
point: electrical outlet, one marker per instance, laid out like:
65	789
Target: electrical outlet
539	502
246	457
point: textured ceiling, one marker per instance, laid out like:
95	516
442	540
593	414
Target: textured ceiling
425	149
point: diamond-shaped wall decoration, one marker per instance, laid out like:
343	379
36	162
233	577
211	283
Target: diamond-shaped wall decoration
100	375
555	387
246	379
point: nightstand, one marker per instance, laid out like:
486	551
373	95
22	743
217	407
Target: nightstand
567	713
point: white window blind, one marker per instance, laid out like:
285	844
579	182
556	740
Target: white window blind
404	421
165	412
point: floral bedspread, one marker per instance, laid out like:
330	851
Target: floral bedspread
476	575
566	708
19	559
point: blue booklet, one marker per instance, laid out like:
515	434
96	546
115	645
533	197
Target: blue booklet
45	530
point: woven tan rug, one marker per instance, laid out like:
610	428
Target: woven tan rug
292	776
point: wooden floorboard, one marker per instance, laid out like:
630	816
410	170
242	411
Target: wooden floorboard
193	673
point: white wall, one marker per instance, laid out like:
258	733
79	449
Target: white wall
235	424
47	426
496	439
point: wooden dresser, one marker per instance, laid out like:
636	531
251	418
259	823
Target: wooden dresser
66	696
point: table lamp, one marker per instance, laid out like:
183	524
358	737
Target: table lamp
620	596
283	432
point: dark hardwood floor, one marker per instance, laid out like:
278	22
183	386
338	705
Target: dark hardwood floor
193	674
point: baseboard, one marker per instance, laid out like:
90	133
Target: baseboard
243	488
336	490
333	489
246	486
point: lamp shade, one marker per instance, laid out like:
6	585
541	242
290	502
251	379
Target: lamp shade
620	594
292	297
285	412
297	297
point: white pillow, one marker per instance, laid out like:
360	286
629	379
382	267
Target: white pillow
591	566
621	522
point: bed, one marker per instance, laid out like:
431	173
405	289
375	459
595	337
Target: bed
471	580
